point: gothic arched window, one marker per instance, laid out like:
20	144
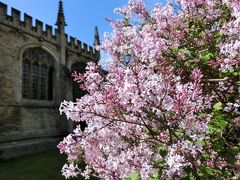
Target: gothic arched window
77	92
37	74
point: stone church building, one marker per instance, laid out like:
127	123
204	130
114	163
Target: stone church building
35	77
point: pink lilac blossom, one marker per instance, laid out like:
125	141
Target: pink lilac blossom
146	101
238	160
70	170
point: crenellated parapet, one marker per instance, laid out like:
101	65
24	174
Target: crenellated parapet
47	33
13	20
77	46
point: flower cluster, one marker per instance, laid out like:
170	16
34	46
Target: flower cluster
169	105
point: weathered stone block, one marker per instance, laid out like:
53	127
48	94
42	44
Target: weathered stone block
29	125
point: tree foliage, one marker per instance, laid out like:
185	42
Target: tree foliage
169	106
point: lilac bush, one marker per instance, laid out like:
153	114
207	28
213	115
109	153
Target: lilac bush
169	106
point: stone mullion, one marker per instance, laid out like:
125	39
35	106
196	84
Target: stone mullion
30	81
25	78
39	83
36	78
47	78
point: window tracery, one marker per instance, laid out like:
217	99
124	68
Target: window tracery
37	74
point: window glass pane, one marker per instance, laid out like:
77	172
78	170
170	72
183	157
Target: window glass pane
37	74
25	78
50	84
35	81
43	81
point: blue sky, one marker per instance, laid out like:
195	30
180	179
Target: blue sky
81	15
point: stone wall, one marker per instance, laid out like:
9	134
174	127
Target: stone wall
28	125
24	123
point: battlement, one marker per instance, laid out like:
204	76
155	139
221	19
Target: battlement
14	20
48	33
80	47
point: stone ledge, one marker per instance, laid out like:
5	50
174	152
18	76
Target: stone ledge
20	148
13	137
31	105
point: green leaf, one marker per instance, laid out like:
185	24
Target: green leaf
160	164
231	70
125	113
215	130
231	154
178	27
189	63
206	57
133	176
221	123
179	133
235	73
205	172
175	49
150	115
207	156
163	151
218	106
218	37
190	53
190	173
218	144
154	177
